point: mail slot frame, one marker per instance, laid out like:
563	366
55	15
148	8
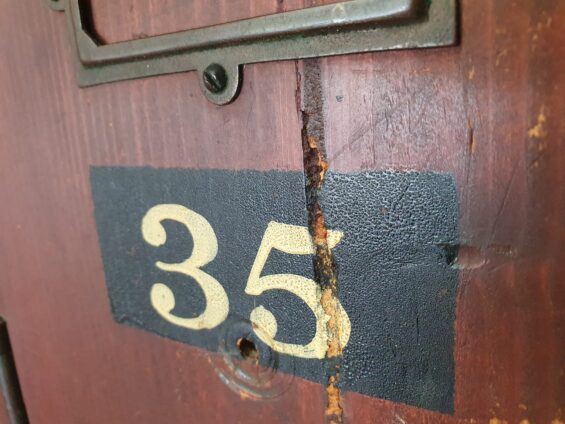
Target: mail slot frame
353	26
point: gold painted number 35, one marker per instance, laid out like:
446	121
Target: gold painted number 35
290	239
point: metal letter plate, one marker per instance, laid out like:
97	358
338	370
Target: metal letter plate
341	28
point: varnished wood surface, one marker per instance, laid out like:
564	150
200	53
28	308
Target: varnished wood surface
76	364
488	111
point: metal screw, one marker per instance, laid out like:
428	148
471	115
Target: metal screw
215	78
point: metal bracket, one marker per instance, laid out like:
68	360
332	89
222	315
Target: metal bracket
218	52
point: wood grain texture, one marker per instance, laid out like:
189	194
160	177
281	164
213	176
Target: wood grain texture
76	364
489	112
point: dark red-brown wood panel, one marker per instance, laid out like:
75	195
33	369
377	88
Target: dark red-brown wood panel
489	111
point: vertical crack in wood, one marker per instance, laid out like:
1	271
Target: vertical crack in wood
309	99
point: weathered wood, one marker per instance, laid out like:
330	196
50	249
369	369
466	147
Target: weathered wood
76	364
488	111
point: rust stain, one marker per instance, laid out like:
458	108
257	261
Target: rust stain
316	168
310	100
538	130
471	74
328	301
334	409
497	421
316	163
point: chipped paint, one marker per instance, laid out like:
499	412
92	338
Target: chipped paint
501	55
539	130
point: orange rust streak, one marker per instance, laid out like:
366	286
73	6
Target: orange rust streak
317	168
334	411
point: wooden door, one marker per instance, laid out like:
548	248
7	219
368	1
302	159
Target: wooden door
485	115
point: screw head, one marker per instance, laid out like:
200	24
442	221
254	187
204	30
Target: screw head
215	78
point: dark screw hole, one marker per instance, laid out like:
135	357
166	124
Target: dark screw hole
248	350
215	78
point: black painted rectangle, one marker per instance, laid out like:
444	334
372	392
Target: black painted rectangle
395	280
